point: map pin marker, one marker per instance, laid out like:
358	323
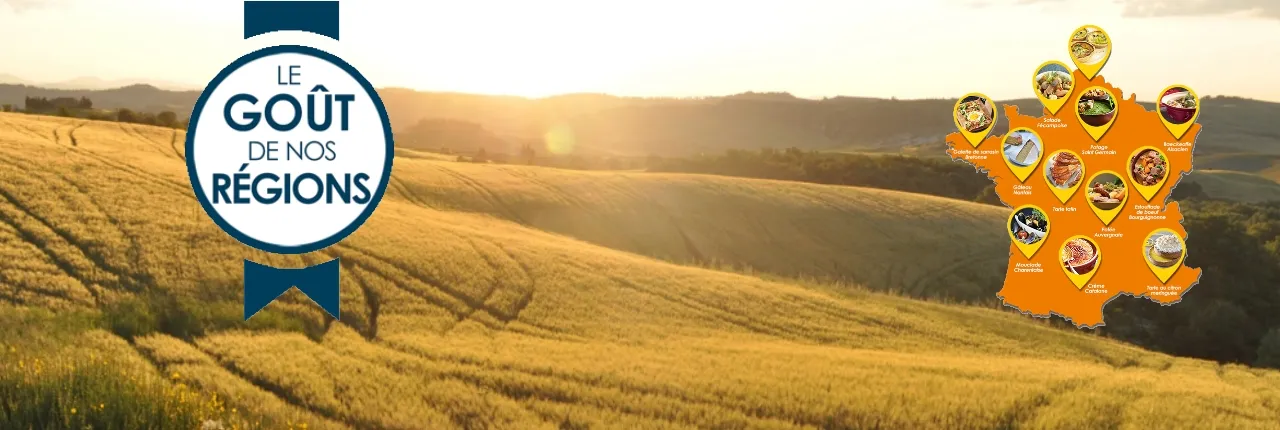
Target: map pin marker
1096	108
1089	47
1079	258
1148	170
1107	195
1028	227
1179	107
1022	150
1164	253
975	116
1053	84
1064	171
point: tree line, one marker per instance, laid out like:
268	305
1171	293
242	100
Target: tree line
82	107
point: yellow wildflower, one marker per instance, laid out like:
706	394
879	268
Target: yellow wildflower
73	411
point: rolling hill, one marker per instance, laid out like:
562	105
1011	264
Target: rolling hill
494	297
629	126
739	223
1235	186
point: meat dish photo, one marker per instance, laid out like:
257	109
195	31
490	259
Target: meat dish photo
1149	167
1064	170
1107	191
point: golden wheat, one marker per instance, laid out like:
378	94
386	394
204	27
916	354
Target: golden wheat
484	296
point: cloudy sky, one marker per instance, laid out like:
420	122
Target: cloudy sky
811	48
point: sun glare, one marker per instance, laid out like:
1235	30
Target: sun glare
559	139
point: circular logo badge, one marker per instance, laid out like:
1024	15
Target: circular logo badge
289	149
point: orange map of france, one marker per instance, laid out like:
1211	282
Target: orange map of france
1088	182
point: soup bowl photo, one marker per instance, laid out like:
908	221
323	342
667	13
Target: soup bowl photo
1176	114
1099	120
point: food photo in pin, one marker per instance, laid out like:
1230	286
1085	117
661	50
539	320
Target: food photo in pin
1029	226
1089	45
1096	107
975	114
1178	105
1079	255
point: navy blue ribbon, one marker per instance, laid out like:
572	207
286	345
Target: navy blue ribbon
319	17
263	284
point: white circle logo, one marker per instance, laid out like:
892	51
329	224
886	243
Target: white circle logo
289	149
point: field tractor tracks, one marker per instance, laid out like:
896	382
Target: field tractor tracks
557	191
712	311
173	144
402	189
40	242
23	129
72	133
283	393
123	278
512	381
132	131
379	266
181	188
372	301
484	193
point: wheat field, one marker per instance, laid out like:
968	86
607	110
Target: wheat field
482	296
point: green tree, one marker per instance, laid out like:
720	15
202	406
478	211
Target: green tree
1269	350
167	119
126	115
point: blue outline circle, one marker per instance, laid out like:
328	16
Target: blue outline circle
195	120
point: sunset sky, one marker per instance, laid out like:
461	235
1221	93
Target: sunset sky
811	48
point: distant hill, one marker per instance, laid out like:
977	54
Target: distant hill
604	124
13	80
138	97
91	83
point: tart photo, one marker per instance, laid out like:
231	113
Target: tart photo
1163	249
1063	169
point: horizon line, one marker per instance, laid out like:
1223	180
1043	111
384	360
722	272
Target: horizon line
583	93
